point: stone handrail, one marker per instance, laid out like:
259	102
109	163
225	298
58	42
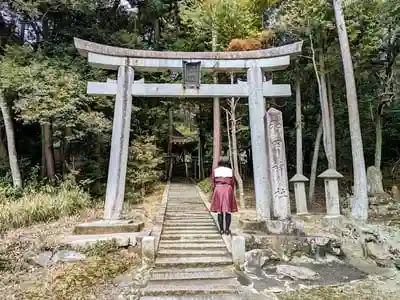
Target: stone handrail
84	47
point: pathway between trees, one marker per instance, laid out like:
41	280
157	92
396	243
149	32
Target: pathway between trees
192	259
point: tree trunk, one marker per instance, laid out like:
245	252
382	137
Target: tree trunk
299	138
43	170
314	163
156	24
170	134
328	145
378	143
48	151
235	155
360	203
229	137
332	119
216	115
3	148
12	151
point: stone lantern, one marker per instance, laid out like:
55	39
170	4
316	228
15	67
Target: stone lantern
331	178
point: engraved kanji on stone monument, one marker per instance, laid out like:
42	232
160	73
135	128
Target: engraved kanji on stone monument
277	164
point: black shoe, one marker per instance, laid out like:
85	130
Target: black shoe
222	232
228	232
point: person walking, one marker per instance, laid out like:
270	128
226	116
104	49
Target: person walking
224	199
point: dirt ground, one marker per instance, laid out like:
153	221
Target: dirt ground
22	279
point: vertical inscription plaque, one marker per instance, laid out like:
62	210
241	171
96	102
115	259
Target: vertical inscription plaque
191	75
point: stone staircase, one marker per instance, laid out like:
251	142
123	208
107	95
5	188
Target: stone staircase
192	260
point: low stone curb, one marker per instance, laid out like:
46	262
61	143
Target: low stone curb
227	239
160	217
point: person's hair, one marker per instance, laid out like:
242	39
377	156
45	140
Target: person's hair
224	162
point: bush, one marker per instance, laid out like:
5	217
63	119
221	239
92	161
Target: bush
205	185
46	203
143	166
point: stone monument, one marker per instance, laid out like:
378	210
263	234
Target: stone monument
277	164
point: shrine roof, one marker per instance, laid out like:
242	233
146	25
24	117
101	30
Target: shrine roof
85	47
180	138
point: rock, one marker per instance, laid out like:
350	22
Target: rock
49	258
68	256
379	199
250	222
377	251
324	243
269	295
374	178
250	293
255	259
397	264
396	194
296	272
43	259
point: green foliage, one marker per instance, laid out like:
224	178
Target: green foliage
143	166
205	185
43	204
228	19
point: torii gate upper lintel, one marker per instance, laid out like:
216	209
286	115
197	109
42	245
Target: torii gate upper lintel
126	61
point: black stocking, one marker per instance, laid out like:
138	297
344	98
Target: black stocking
227	221
221	221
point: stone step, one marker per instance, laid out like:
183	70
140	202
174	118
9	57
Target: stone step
209	236
192	246
189	227
185	204
204	297
194	242
192	252
190	262
182	275
193	270
190	231
190	287
185	221
187	214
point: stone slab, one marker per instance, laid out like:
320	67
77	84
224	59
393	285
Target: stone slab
190	287
196	274
246	223
208	297
122	239
192	246
196	222
191	231
209	236
192	252
199	261
284	227
169	226
109	226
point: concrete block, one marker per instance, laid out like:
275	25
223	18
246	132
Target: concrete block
238	251
108	227
122	239
148	249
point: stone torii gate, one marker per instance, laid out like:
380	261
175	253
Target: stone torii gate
127	61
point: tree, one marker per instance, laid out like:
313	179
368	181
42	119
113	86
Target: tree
360	203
